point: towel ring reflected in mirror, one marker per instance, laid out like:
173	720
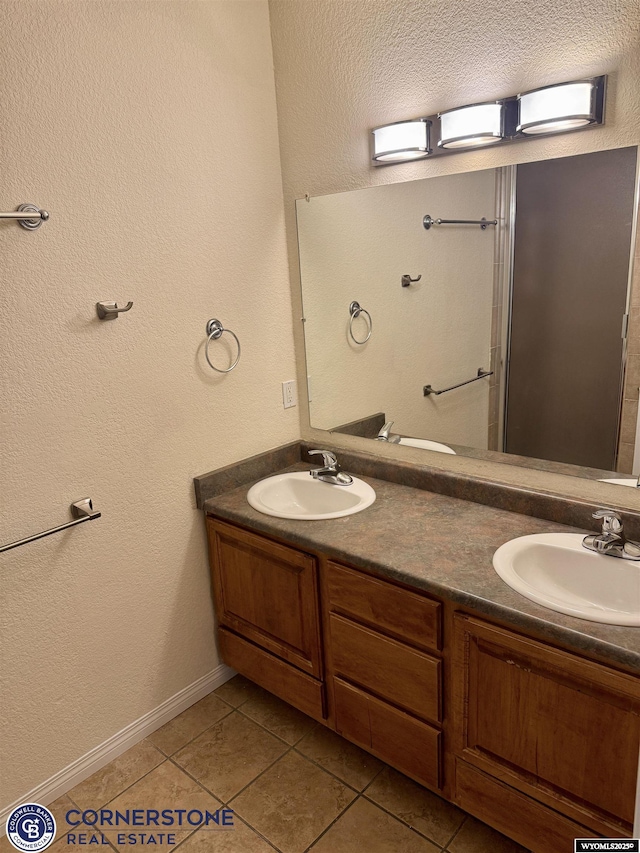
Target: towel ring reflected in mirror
215	330
355	310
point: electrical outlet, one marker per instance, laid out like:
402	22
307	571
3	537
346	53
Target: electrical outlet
289	394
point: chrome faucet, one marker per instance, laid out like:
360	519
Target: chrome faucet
385	434
331	471
611	542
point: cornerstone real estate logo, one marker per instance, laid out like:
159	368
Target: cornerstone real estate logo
31	827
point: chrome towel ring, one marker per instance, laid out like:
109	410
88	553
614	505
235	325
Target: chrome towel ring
355	311
214	331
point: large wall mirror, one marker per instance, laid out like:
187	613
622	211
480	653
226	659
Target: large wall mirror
488	314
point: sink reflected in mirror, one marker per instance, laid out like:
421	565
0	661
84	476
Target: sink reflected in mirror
297	495
425	444
556	571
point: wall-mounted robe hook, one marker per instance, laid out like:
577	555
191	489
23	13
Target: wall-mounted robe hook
406	280
110	310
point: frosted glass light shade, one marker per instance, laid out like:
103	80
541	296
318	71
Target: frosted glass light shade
557	108
404	140
469	127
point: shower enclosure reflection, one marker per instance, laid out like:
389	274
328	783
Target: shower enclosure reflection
488	339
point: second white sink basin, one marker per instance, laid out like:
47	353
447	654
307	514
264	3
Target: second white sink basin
426	444
555	570
297	495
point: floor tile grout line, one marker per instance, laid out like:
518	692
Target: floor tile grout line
356	791
333	822
381	770
244	701
408	825
273	734
67	831
255	779
172	755
206	729
135	782
197	781
456	833
257	832
304	757
227	802
195	737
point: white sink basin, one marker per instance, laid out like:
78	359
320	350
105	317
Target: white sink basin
620	481
425	444
298	495
553	569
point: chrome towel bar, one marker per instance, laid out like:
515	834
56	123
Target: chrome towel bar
428	221
81	511
427	390
30	216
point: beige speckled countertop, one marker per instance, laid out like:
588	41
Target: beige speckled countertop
442	545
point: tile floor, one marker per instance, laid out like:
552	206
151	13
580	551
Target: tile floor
292	784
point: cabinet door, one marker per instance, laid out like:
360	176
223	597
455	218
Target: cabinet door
561	728
267	593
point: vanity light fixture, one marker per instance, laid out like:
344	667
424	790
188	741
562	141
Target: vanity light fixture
470	127
559	108
402	140
553	109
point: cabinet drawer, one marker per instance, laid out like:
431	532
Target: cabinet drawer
531	824
386	607
274	675
393	671
267	593
404	742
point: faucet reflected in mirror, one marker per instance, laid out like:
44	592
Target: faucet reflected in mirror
543	299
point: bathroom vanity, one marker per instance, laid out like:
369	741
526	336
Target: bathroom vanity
392	628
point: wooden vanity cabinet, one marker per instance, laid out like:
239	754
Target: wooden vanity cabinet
560	729
538	742
266	598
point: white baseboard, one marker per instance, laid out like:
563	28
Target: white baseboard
118	743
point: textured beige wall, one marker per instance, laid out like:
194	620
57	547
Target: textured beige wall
358	245
345	66
148	130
